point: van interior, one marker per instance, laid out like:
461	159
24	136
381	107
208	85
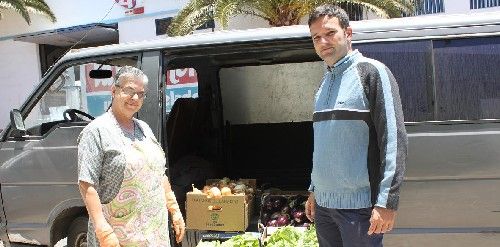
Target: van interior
252	118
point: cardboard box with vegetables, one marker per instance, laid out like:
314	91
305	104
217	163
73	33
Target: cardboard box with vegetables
222	205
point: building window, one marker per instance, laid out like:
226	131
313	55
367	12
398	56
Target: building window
479	4
424	7
354	11
162	25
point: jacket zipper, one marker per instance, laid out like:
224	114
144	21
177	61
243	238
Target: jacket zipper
330	85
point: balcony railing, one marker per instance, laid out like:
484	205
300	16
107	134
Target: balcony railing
424	7
479	4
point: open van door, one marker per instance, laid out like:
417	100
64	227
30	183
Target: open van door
38	157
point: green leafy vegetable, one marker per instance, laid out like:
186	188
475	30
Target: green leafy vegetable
284	237
244	240
208	244
289	236
308	238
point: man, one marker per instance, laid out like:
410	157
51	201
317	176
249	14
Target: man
359	140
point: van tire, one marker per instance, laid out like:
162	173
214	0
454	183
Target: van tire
77	233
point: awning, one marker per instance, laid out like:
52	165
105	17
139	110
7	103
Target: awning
95	33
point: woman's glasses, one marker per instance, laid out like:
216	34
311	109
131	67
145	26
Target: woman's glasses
131	92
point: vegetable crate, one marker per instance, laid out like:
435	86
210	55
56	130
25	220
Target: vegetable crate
228	213
283	208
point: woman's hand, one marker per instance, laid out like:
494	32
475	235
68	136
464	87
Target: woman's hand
106	236
177	220
179	227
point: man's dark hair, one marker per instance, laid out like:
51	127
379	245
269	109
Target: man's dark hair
330	11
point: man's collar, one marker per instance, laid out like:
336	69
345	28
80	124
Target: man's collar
343	60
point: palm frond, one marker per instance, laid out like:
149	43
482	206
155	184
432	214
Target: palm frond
18	6
41	8
276	12
190	18
225	9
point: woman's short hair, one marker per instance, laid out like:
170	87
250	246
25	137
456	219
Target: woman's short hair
130	71
330	10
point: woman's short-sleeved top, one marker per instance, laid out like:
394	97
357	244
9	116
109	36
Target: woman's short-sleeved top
101	159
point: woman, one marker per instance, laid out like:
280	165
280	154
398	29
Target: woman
121	173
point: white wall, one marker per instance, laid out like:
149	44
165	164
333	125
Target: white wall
18	75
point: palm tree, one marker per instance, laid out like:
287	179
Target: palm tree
25	7
275	12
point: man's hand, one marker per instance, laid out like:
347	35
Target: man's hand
381	221
106	236
310	207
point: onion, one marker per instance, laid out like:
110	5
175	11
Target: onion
195	190
214	192
226	191
206	189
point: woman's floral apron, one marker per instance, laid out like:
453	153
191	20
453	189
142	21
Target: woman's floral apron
138	214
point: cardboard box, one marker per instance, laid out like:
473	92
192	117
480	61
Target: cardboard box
229	213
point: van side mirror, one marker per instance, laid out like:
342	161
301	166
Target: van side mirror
100	74
17	123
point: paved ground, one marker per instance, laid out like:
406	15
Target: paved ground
61	243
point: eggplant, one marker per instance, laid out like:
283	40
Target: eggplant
275	215
268	206
299	216
265	217
286	210
272	223
278	204
283	220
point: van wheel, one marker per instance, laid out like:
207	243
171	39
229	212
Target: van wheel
77	233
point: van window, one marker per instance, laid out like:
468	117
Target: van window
180	83
467	78
411	64
74	89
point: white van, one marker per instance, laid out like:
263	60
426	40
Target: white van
248	113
